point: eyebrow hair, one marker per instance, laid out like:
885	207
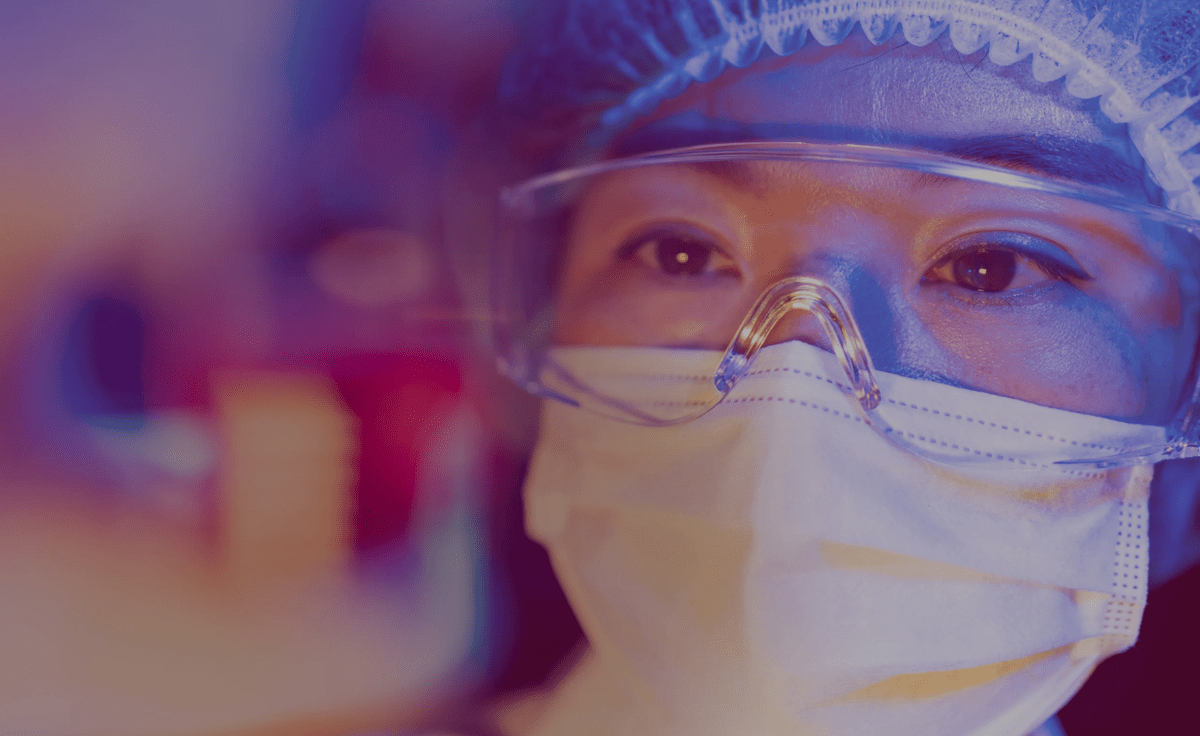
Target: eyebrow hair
1052	156
737	174
1056	157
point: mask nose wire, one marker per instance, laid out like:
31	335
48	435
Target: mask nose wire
823	302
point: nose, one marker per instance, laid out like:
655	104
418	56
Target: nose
883	317
806	301
800	325
829	277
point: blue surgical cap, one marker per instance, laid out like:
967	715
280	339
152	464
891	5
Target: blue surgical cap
595	65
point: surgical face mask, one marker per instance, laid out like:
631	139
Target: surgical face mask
778	566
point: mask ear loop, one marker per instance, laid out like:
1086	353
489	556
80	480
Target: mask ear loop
820	300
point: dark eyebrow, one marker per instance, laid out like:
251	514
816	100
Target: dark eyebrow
1055	157
737	174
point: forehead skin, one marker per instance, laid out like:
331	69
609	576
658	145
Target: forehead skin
896	93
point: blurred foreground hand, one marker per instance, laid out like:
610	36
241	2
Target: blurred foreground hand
114	622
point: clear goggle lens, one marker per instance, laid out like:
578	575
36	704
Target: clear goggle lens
896	262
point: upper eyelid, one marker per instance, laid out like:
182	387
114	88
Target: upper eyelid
638	237
1050	252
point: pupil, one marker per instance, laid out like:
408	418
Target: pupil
986	269
679	256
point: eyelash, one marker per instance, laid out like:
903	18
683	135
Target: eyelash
684	235
694	250
1048	258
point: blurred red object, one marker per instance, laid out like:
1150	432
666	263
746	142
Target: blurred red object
400	401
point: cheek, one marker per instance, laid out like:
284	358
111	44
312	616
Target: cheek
1076	354
617	308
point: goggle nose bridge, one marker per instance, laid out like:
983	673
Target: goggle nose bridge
816	297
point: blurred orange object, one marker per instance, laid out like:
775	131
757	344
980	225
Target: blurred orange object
285	502
124	624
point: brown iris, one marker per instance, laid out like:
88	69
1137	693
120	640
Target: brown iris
679	255
985	269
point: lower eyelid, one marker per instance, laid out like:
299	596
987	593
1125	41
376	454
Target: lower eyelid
1034	294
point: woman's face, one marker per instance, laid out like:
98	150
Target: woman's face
1025	295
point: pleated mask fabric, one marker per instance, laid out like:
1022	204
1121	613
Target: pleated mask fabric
777	566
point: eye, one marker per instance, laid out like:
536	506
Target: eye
984	269
1006	262
678	253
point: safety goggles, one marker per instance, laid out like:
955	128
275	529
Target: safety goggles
918	264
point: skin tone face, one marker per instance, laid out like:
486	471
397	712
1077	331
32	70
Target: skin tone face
1040	298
